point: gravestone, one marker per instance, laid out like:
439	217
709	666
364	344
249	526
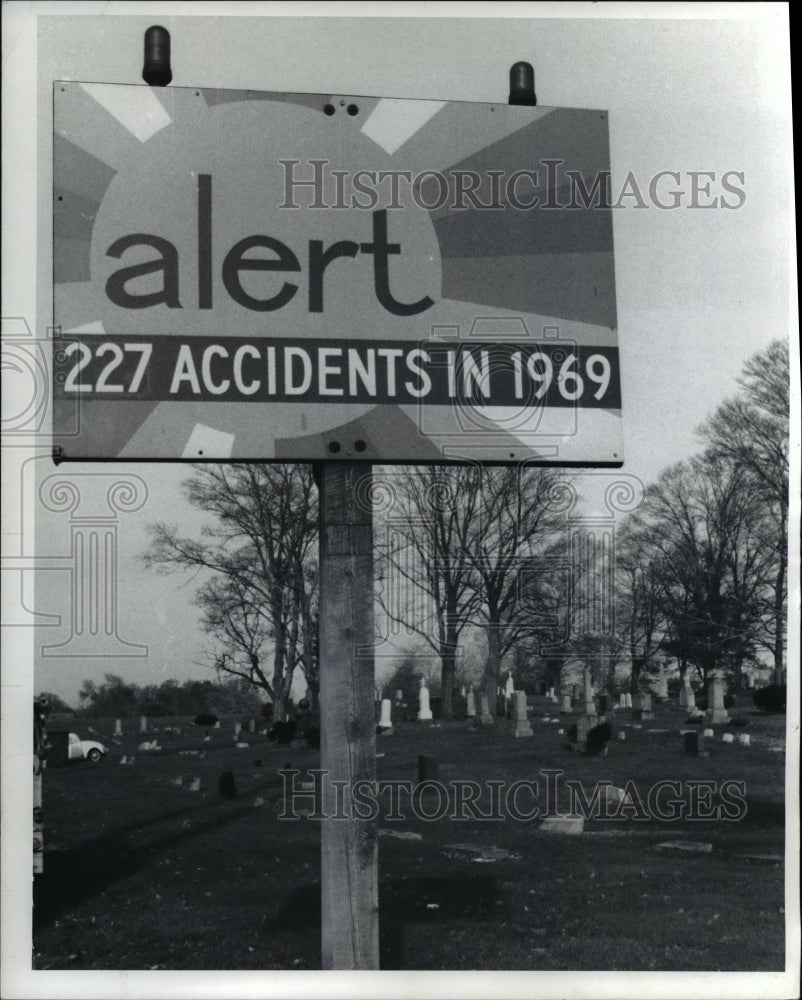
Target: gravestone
424	711
565	707
520	723
572	825
143	724
728	738
385	720
237	728
694	743
399	694
509	686
661	685
689	846
642	707
590	706
485	717
687	698
227	785
744	739
622	700
583	726
470	711
251	725
628	702
716	712
118	727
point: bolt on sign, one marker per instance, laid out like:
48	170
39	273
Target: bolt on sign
253	275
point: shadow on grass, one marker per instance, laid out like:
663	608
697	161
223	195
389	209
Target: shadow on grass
764	812
432	900
402	901
79	873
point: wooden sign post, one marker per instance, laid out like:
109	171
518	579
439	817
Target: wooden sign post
349	853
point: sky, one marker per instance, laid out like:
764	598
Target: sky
697	90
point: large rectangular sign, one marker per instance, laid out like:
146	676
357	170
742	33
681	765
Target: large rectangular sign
291	276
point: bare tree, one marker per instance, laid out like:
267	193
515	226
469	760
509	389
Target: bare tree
258	548
698	520
520	513
639	612
240	628
751	431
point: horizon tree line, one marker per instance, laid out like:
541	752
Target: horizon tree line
699	571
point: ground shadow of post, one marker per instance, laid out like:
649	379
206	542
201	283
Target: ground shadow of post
402	901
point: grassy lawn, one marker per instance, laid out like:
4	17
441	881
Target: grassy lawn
142	873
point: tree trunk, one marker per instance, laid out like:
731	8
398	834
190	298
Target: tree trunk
280	699
447	674
313	693
493	668
637	666
279	708
779	621
448	656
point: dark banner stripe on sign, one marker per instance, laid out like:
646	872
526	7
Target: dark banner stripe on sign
235	369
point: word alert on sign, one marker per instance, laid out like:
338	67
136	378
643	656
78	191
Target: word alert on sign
235	262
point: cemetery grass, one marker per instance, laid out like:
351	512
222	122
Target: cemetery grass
141	873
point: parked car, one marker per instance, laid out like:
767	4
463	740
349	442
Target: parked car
78	749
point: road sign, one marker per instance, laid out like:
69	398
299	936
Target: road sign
253	275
